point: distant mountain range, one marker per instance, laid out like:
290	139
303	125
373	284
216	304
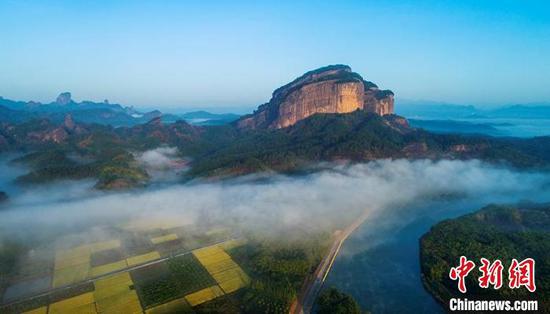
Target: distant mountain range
12	111
517	120
72	150
430	110
69	140
106	113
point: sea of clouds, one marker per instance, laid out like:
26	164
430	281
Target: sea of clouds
323	200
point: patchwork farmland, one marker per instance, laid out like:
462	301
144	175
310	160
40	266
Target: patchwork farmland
145	269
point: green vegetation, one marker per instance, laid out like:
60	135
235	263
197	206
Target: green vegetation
113	168
495	232
125	176
223	305
47	299
160	283
105	153
332	301
358	136
190	273
321	137
277	271
53	164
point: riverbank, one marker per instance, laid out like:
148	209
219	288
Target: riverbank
313	284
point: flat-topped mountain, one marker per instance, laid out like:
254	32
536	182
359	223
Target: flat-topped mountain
330	89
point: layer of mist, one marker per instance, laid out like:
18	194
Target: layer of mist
163	164
321	201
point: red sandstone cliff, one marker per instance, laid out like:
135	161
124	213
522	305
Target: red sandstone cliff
331	89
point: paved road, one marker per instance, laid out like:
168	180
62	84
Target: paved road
312	286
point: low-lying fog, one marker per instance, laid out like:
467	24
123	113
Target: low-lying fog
323	200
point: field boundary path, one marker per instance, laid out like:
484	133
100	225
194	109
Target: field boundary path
313	284
127	269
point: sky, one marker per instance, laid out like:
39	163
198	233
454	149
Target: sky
228	54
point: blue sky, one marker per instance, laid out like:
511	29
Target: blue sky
179	54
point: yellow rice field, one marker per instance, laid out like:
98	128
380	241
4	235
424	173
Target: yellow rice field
72	274
40	310
123	302
238	281
112	285
105	245
83	309
140	259
164	238
113	295
83	303
107	268
68	259
229	276
203	295
73	265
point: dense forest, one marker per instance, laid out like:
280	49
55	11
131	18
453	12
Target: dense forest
277	269
332	301
495	232
74	151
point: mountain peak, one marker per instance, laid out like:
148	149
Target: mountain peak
329	89
64	98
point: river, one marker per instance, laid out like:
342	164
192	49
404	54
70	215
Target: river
379	264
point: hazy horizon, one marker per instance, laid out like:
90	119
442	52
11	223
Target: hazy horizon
169	55
248	108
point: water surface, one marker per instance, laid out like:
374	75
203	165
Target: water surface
379	264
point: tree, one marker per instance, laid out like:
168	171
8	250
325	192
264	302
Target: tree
332	301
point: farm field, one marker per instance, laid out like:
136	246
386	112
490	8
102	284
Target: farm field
204	295
176	284
164	238
188	274
75	257
115	294
161	283
228	275
143	258
174	306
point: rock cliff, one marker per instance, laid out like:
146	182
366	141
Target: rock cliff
331	89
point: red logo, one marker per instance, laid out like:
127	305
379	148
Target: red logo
519	274
491	274
461	272
522	274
